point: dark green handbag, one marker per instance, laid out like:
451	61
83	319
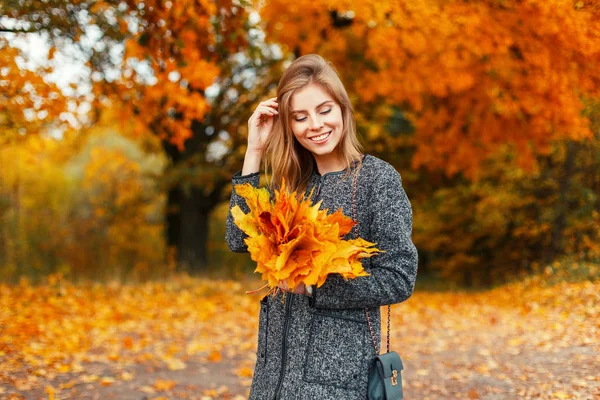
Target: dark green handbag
385	377
385	371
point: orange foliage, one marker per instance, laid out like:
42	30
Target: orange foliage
483	232
474	75
500	81
28	102
177	41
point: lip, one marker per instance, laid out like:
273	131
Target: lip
320	134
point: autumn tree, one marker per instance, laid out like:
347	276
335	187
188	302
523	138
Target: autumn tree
456	92
28	104
154	61
510	220
472	76
81	208
440	88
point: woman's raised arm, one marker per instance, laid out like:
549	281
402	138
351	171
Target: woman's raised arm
260	126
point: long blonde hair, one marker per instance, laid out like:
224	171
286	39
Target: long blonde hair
284	156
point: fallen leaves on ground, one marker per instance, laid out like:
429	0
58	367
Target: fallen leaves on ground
196	339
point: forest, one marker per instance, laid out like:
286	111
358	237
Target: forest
122	123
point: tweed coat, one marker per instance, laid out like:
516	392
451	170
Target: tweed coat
320	347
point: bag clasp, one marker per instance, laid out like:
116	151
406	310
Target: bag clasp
394	377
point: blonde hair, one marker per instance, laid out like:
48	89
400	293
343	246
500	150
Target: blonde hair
284	156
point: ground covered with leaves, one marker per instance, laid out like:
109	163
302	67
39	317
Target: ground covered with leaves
191	338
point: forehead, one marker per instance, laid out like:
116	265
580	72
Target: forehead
309	97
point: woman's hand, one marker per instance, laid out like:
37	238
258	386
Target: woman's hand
300	289
261	123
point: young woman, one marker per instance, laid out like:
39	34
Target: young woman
318	344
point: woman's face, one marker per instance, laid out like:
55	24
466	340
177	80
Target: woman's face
316	121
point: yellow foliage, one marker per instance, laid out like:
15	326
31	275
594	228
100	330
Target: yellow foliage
63	213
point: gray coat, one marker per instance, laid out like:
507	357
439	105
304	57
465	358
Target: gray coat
320	347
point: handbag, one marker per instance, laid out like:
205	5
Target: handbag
385	371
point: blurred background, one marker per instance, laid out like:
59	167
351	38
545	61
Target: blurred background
122	122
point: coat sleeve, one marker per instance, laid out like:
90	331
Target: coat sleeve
233	235
393	273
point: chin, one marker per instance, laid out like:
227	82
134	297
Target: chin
322	150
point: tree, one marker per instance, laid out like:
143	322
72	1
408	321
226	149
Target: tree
153	61
463	97
471	76
439	87
28	104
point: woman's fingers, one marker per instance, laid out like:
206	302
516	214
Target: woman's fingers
268	103
300	289
261	123
268	106
263	110
272	100
266	110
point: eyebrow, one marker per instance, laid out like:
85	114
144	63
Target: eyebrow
325	102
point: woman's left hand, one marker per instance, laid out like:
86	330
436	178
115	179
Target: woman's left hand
300	289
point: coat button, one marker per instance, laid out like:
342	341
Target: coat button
262	355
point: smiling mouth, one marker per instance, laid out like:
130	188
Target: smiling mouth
320	137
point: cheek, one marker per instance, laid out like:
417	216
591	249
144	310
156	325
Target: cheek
297	130
337	118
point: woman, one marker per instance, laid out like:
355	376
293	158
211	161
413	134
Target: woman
317	344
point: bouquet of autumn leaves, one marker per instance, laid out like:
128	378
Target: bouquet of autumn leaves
293	241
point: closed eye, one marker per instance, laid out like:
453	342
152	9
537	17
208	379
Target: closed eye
302	119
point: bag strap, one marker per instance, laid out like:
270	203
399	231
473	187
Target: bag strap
355	228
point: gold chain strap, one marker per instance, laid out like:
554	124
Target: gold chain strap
355	227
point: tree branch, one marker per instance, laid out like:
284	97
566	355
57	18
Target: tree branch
3	29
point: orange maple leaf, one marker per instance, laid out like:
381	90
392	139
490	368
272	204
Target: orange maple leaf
292	240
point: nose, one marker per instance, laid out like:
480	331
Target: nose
317	124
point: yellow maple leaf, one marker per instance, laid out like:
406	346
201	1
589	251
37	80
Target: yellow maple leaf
293	240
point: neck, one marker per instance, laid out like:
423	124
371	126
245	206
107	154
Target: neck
325	165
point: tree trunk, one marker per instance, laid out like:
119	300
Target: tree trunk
192	249
562	207
173	219
188	210
188	225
